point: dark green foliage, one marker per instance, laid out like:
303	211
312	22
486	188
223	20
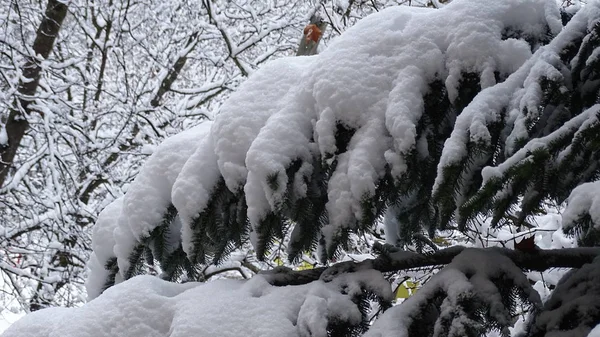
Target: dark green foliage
549	172
221	227
587	234
585	72
373	208
428	312
363	301
171	258
113	270
158	241
437	211
136	261
335	248
157	248
307	213
411	192
269	229
343	136
177	265
231	227
565	16
533	40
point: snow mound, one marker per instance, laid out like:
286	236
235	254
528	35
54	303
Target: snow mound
146	306
103	243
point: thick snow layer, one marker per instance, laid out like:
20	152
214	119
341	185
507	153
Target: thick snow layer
243	115
584	200
146	306
103	243
192	189
3	136
7	318
223	153
371	80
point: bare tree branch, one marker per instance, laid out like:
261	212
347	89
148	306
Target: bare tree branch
17	123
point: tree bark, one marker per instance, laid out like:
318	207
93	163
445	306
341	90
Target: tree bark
17	124
397	260
167	82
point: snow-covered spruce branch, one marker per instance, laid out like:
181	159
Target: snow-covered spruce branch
394	260
330	165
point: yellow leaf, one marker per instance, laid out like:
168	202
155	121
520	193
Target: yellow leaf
441	241
412	286
407	289
402	292
305	265
278	261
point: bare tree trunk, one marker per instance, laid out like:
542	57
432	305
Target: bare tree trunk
167	82
17	123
